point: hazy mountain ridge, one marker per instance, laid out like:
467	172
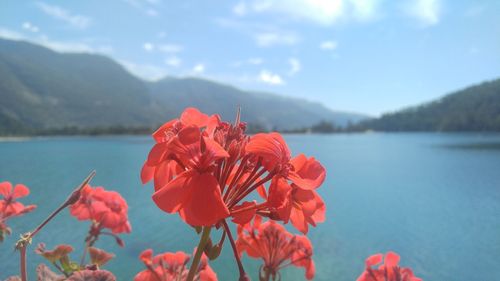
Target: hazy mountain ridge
476	108
40	88
270	110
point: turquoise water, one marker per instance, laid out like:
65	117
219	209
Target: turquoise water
433	198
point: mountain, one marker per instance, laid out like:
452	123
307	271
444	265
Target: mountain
475	108
42	89
269	110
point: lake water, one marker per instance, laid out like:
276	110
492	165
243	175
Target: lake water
433	198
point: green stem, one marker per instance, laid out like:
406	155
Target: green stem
205	235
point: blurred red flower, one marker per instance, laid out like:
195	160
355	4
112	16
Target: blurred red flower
171	266
277	247
106	209
10	207
389	270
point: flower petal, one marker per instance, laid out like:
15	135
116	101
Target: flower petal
146	256
161	135
157	153
271	147
299	221
192	116
391	259
5	188
171	197
205	206
374	260
147	173
308	173
164	173
246	216
279	193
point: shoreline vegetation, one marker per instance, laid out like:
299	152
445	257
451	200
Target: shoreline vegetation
323	127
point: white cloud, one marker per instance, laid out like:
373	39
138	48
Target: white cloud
268	39
328	45
65	46
165	48
322	12
56	45
173	61
268	77
78	21
11	34
264	35
364	10
148	47
147	7
30	27
240	9
145	71
319	11
249	61
199	69
169	48
295	66
426	11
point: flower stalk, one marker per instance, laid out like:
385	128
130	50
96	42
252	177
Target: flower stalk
243	275
205	235
26	238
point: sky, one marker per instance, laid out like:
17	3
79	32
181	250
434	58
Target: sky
365	56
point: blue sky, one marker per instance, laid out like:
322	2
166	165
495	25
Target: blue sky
367	56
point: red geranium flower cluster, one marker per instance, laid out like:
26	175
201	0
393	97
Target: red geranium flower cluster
172	267
106	210
205	170
276	246
10	207
387	271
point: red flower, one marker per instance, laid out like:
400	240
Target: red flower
205	170
292	191
195	193
9	207
170	267
163	136
388	271
273	150
107	209
276	246
301	206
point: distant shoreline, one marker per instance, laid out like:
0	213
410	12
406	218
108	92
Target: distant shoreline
21	138
14	138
